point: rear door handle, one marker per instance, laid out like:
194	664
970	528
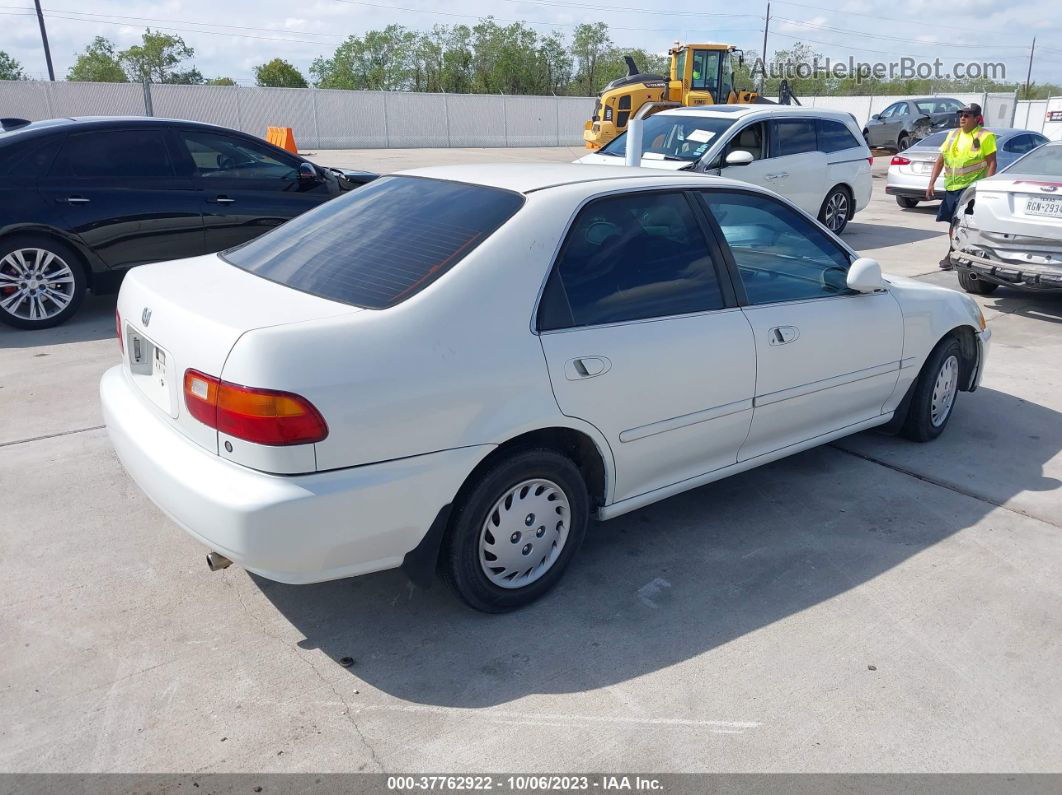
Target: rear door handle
221	200
779	175
782	335
74	200
586	367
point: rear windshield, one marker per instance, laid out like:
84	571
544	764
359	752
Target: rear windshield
1046	161
382	243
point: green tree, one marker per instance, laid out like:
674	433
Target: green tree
221	81
10	69
278	73
156	58
98	64
381	60
556	64
590	44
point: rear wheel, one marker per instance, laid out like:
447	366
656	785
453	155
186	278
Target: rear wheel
836	209
935	393
42	282
971	284
906	202
513	535
903	142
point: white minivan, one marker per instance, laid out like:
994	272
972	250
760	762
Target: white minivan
815	158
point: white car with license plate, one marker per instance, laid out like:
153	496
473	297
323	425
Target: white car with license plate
814	157
909	171
458	367
1008	228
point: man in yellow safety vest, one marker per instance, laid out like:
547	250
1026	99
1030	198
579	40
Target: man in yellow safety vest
967	155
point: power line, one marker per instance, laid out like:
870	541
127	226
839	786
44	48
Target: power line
877	17
896	38
531	21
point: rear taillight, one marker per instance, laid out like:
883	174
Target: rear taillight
262	416
871	160
900	160
118	330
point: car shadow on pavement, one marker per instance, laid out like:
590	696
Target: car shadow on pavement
667	583
94	320
867	236
1036	306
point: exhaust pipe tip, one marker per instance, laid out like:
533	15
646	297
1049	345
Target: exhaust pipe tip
216	562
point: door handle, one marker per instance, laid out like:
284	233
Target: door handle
74	200
586	367
782	335
221	200
779	175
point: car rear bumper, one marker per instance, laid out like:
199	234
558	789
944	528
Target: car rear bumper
293	529
911	186
1022	275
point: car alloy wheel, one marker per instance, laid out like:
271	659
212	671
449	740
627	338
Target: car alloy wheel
944	390
524	533
35	285
835	213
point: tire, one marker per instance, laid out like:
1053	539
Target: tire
491	525
903	142
836	209
931	408
29	303
906	202
976	286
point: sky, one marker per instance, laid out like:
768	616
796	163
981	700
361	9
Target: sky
231	36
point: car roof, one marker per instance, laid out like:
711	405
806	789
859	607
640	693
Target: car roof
999	132
531	177
46	126
741	111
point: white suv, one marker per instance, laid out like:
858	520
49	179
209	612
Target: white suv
815	158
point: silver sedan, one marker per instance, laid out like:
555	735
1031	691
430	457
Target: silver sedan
909	170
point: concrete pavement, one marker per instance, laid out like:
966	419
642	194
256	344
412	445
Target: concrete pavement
874	605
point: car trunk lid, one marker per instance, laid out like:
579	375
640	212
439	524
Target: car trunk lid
176	316
1028	206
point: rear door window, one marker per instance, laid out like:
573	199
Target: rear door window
632	257
793	137
114	153
834	136
381	244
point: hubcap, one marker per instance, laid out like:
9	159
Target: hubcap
836	211
524	533
35	284
944	390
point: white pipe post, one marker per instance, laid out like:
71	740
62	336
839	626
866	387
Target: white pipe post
633	152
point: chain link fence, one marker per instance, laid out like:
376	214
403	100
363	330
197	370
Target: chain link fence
332	119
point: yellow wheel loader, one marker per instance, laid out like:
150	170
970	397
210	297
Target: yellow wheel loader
701	74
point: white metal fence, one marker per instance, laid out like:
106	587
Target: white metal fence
329	119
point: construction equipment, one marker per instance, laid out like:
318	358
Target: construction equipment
701	74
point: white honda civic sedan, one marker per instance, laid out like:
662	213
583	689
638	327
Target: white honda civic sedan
456	368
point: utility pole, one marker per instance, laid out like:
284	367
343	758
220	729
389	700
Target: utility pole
763	55
1028	75
44	38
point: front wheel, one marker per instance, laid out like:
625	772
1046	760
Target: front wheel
935	392
42	282
513	535
906	202
976	286
836	210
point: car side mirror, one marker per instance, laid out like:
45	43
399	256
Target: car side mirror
739	158
864	276
307	173
876	117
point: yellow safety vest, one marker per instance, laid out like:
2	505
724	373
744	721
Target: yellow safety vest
965	157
